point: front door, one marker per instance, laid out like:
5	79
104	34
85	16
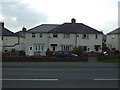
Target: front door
30	50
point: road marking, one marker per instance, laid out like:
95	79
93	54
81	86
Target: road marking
29	79
106	79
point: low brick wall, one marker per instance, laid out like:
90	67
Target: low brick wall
43	59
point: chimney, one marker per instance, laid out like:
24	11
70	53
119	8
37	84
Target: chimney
73	20
1	24
24	29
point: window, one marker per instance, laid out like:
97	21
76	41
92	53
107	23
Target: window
85	48
55	35
113	36
39	47
41	35
2	38
85	36
66	36
33	34
96	36
30	48
97	47
66	47
53	48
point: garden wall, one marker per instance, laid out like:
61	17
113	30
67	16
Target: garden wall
43	59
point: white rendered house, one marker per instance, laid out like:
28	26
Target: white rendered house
62	38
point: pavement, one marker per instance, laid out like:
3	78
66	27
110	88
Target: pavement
91	63
59	65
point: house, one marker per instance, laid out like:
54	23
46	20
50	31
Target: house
68	35
8	39
62	37
113	39
37	39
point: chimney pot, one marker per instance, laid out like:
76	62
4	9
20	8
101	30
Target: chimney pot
73	20
24	29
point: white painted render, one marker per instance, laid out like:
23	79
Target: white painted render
74	40
13	42
113	41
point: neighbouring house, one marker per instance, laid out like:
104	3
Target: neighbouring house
37	39
62	38
113	39
8	40
21	35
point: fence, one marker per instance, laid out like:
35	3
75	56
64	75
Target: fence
43	59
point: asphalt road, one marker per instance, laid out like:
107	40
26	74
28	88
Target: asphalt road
59	77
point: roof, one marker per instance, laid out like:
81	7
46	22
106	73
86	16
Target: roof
43	28
20	34
75	28
6	32
116	31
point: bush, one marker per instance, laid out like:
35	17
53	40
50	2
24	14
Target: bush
48	52
78	50
22	53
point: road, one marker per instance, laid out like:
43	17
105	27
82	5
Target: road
60	77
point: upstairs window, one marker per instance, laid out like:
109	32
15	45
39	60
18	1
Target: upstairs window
66	36
41	35
113	36
55	35
2	38
85	36
96	36
33	34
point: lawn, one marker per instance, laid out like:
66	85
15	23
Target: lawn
113	60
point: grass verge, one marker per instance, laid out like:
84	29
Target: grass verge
112	60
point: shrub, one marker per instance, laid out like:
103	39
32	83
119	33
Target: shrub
48	52
78	50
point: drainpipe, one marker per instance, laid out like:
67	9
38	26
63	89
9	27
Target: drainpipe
76	40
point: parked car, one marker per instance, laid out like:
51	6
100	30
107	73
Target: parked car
64	54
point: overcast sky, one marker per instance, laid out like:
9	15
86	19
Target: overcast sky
99	14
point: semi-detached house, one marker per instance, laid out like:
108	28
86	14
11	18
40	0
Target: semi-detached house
113	39
62	38
10	40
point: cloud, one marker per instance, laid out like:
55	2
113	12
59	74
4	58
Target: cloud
18	15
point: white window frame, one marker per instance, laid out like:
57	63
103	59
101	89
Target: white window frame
85	36
66	47
41	35
55	35
33	35
39	47
96	36
66	35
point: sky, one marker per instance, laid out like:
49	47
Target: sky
98	14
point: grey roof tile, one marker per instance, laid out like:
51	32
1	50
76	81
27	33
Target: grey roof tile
6	32
75	28
116	31
43	28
